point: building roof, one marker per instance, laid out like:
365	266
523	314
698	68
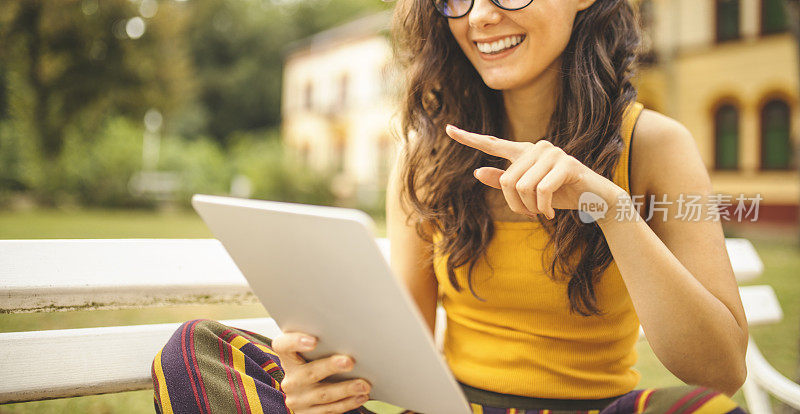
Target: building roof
366	26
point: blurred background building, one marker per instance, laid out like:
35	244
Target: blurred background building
728	70
339	95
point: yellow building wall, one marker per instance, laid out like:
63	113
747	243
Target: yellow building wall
351	132
748	72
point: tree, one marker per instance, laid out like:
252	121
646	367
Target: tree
71	59
238	47
3	94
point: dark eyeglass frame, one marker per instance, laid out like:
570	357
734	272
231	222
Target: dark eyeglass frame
472	3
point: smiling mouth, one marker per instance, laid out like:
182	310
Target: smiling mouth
500	46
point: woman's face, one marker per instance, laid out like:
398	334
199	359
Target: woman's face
541	32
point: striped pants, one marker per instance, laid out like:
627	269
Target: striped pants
207	367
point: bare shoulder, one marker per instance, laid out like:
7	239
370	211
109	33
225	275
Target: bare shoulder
665	157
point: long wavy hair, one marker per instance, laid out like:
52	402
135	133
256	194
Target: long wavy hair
436	172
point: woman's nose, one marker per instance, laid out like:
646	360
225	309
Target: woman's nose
484	13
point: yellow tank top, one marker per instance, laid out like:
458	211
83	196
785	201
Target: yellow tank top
523	340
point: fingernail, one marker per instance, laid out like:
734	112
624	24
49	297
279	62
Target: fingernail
307	341
359	387
343	362
362	399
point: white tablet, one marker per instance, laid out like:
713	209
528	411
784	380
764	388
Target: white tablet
320	271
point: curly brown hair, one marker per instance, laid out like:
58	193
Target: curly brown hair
595	90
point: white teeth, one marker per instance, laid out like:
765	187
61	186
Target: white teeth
499	45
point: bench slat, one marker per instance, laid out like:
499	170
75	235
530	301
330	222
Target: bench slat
746	263
761	305
47	275
102	360
75	362
54	275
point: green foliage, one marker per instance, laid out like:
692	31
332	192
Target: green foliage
11	160
201	164
74	88
3	94
276	174
97	170
91	169
238	48
312	16
21	166
72	58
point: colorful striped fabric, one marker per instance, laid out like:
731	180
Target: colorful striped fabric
683	399
207	367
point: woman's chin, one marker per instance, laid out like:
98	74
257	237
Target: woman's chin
500	83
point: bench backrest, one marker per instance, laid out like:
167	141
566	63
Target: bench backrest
57	275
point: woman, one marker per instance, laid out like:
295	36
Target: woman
544	303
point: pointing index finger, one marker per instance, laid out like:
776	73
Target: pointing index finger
486	143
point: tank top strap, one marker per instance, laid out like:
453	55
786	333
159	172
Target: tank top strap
626	131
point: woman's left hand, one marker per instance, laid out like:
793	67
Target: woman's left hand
541	176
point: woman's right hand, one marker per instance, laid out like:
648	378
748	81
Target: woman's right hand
302	383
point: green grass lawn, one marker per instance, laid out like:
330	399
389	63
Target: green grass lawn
778	343
100	224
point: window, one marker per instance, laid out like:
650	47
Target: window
773	17
776	148
339	146
308	96
726	137
344	85
647	15
727	20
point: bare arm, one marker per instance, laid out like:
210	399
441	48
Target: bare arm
409	257
677	271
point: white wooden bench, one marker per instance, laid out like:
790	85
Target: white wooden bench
57	275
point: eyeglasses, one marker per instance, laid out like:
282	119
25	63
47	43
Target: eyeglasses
454	9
